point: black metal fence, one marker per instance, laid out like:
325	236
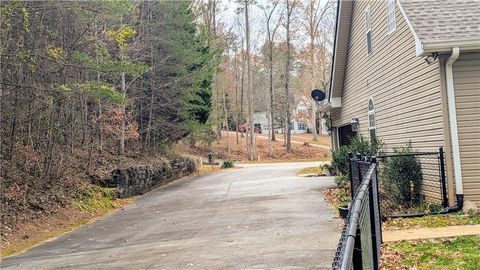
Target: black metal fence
359	245
432	164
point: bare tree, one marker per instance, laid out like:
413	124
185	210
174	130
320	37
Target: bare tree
290	6
225	112
250	140
235	67
269	12
241	75
314	11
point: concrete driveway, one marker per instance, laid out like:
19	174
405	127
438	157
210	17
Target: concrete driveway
256	217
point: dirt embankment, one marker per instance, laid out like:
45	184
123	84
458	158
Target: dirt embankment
35	207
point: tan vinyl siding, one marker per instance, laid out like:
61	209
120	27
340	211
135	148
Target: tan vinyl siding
466	78
405	89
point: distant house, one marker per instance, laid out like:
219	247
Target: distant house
410	71
302	120
300	113
261	115
262	123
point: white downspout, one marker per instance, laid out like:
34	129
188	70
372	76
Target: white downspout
452	115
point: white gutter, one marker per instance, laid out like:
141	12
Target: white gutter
452	115
440	46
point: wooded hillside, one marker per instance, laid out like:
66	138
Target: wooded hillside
87	84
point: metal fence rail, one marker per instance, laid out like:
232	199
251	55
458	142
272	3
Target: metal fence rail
359	245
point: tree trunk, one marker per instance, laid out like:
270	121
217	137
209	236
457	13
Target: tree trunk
250	145
287	74
270	131
151	103
236	98
100	129
218	104
242	88
226	123
272	110
100	135
217	107
312	73
122	132
13	128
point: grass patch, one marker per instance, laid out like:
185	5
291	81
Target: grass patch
206	169
94	202
311	170
433	221
456	253
94	198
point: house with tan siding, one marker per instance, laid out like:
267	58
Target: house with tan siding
409	71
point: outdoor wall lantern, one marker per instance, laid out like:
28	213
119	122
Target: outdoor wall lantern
355	124
328	121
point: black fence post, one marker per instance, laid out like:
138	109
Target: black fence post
374	220
441	160
350	172
359	169
377	195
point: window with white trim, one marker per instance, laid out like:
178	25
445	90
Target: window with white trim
368	29
371	120
302	126
392	25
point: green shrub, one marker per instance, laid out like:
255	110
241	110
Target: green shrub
359	145
402	178
340	160
363	146
227	164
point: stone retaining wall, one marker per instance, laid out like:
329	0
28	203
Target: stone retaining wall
140	179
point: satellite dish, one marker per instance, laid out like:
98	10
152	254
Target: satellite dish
318	95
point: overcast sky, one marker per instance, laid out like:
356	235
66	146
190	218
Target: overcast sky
228	16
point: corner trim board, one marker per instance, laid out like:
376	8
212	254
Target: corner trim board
418	42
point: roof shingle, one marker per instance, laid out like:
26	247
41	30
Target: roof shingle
444	20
